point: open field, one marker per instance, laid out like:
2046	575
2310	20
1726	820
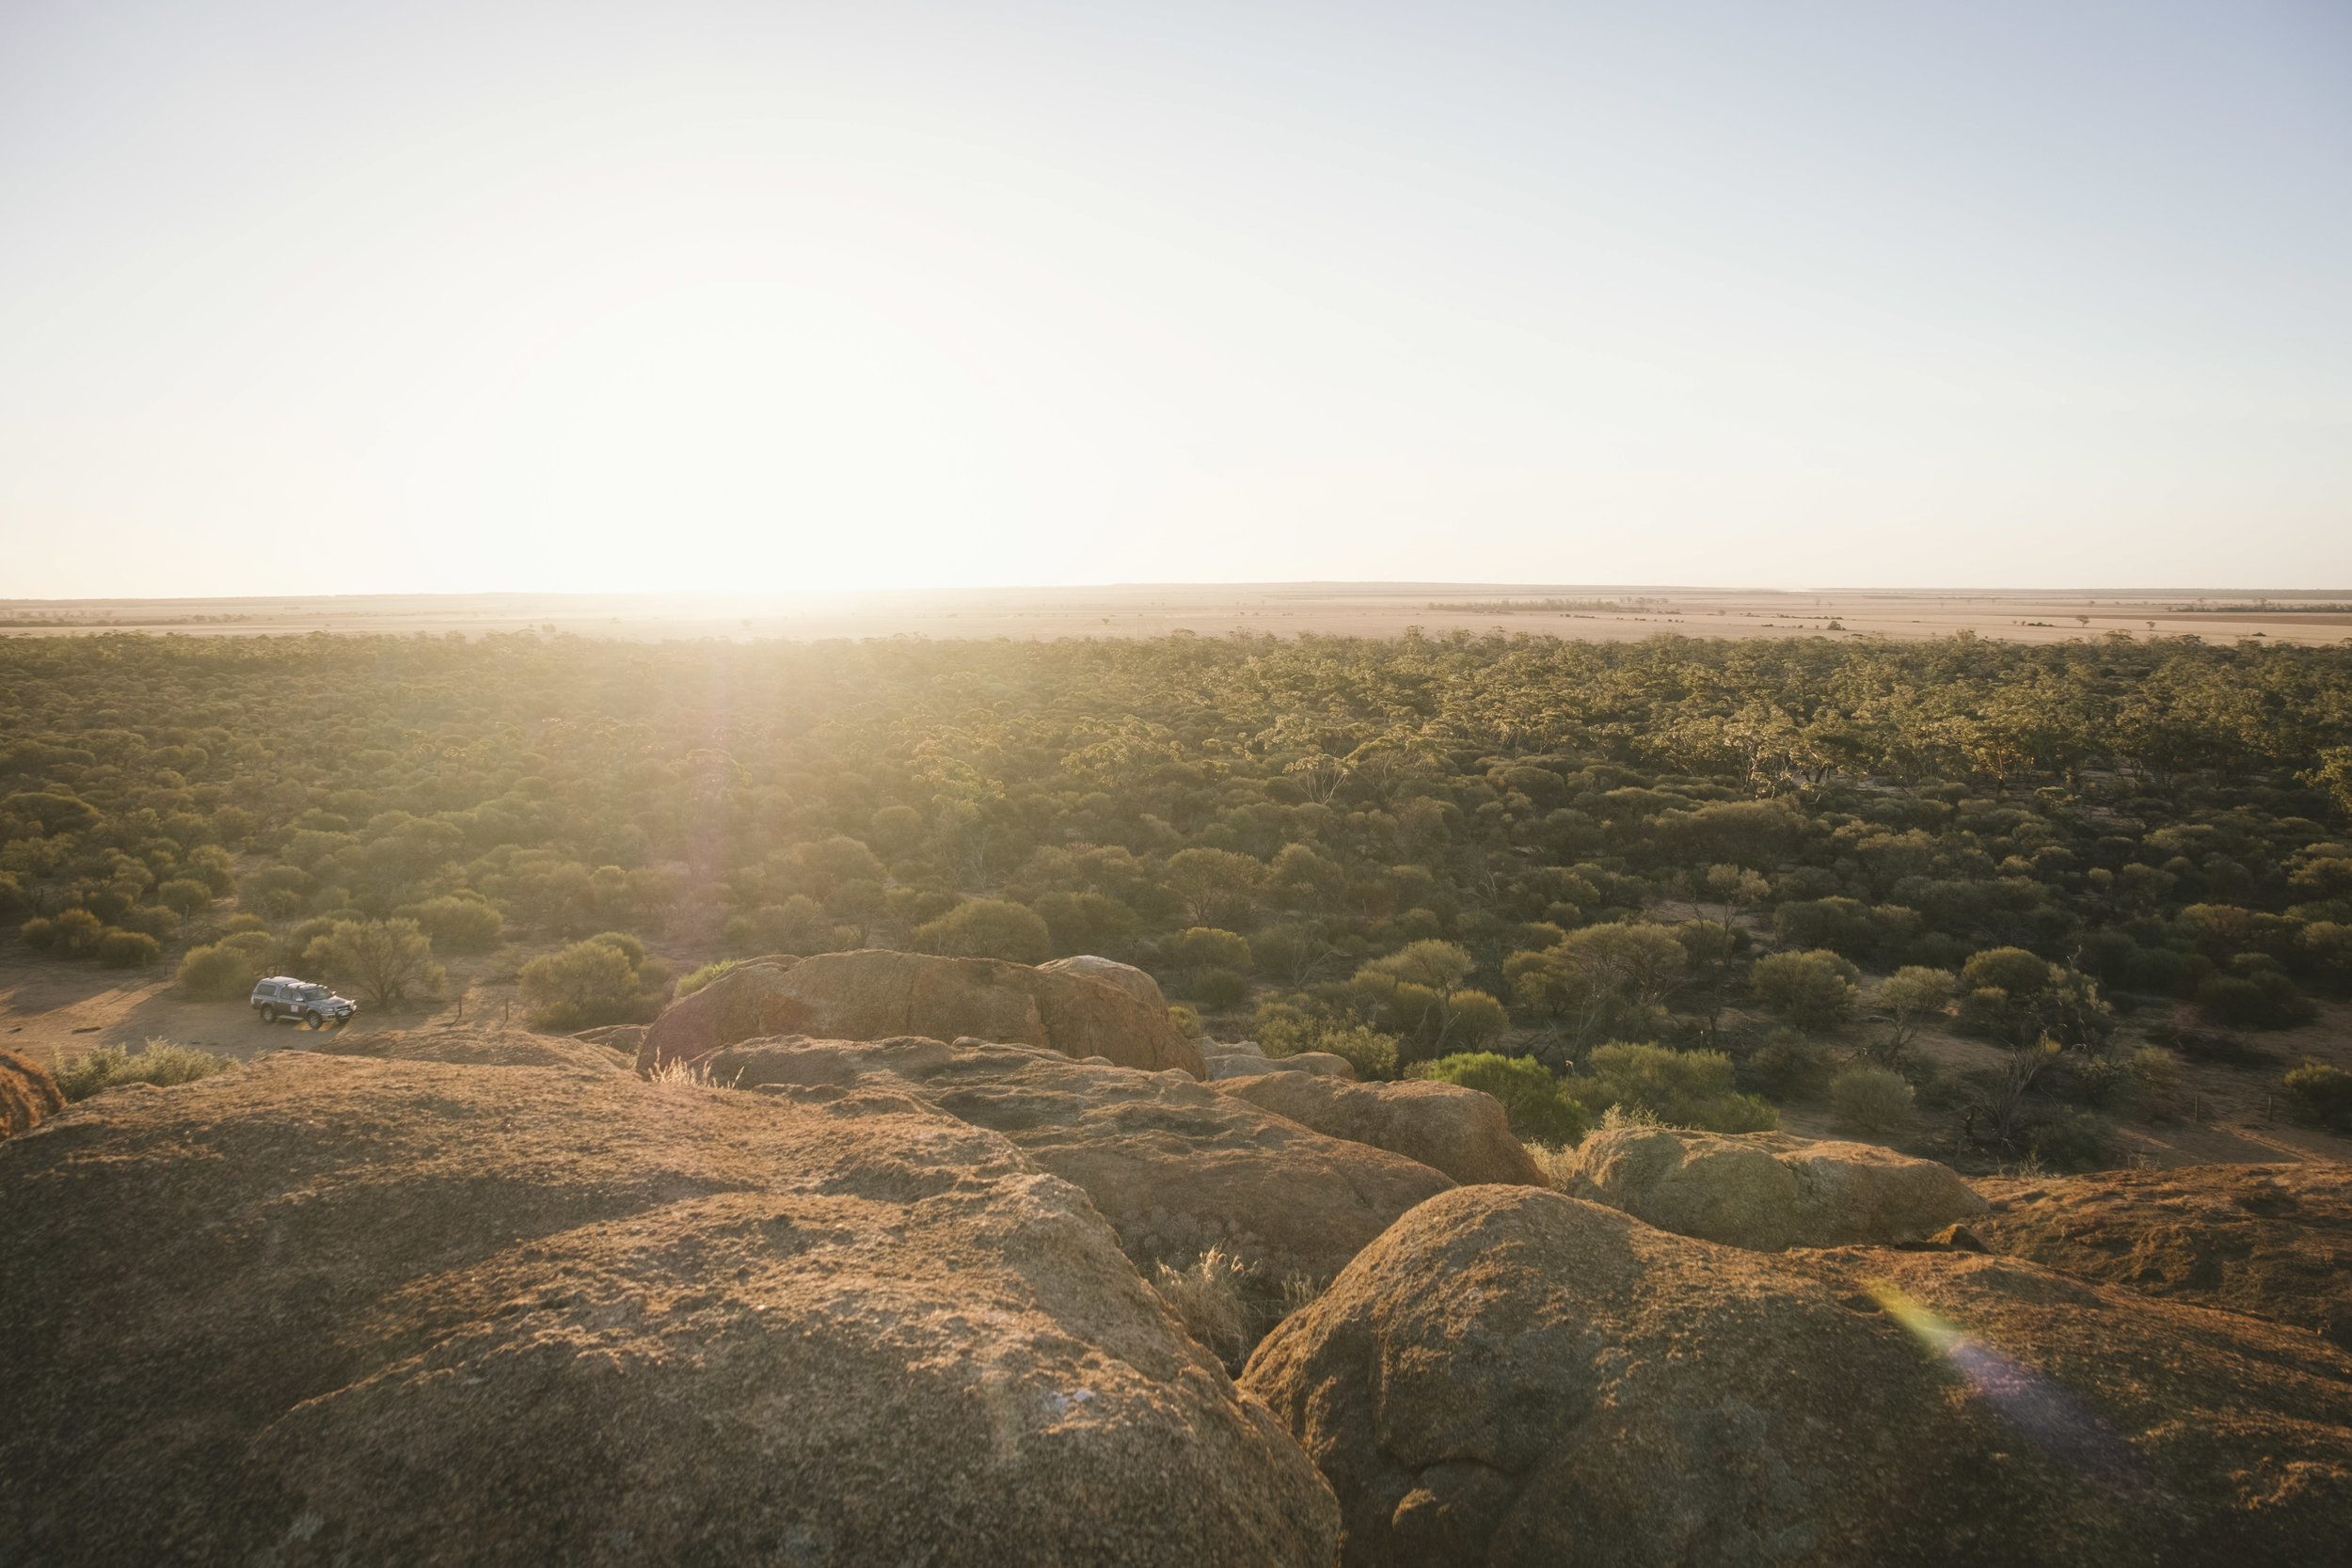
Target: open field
1286	609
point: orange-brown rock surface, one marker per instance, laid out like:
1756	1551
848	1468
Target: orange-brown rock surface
1444	1126
1769	1190
876	994
1176	1166
1514	1377
2272	1240
351	1312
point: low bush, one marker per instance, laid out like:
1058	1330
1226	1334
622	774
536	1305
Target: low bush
2265	999
386	961
2156	1083
1532	1097
2068	1139
1220	990
1810	990
151	920
695	979
1682	1089
224	971
459	924
128	949
161	1063
185	896
1790	1065
1284	1031
2322	1092
987	928
605	979
1870	1099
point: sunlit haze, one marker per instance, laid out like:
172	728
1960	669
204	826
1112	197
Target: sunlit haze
309	298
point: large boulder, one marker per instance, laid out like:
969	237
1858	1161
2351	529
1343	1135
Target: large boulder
1767	1190
28	1095
1174	1166
1444	1126
875	995
1514	1377
1127	977
363	1312
2272	1240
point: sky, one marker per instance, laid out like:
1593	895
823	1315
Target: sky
314	297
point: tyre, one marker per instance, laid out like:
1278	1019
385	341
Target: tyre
311	1019
269	1014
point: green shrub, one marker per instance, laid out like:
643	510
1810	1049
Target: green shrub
39	933
1790	1064
1810	990
1532	1097
185	896
987	928
2155	1082
2264	999
799	925
2011	969
2068	1139
1187	1021
1281	1030
1476	1020
2322	1092
150	920
128	949
1682	1089
1220	990
697	978
1870	1099
1201	948
73	932
222	972
384	960
161	1063
459	924
587	985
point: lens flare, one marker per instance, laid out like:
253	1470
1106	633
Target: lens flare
2045	1414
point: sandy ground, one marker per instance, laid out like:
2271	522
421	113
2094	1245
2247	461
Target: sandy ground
1368	610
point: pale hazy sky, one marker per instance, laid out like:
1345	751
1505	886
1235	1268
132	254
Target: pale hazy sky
312	296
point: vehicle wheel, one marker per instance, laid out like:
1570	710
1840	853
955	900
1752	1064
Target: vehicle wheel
311	1019
269	1014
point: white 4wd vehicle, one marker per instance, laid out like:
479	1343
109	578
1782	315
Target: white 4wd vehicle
282	996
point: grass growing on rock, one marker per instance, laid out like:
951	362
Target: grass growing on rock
1225	1307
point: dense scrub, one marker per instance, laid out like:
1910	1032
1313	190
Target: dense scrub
1459	842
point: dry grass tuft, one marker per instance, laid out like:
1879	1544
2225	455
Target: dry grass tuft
1207	1300
1557	1164
696	1072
